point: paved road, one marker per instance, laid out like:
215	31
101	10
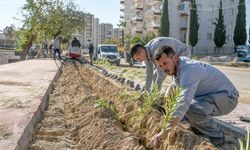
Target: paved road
241	79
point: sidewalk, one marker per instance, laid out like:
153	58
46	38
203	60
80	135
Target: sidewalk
25	87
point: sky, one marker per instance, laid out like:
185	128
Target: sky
108	11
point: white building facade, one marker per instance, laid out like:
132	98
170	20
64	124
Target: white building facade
144	17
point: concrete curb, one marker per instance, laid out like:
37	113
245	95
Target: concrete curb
122	80
231	64
26	136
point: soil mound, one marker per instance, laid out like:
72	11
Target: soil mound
72	120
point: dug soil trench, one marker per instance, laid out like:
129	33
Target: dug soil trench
72	120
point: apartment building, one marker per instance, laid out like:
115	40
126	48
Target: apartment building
207	14
96	39
144	17
1	36
105	32
91	31
88	33
117	34
127	14
152	14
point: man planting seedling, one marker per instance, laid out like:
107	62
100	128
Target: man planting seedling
145	53
206	92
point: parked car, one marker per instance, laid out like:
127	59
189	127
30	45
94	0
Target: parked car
243	52
108	52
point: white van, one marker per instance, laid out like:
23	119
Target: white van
108	52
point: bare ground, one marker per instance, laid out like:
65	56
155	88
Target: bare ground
72	122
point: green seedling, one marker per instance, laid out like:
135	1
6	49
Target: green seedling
170	106
108	105
149	98
105	63
195	57
131	95
247	140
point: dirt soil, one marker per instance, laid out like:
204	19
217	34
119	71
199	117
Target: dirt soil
72	121
4	132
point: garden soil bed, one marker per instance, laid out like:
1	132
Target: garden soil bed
72	121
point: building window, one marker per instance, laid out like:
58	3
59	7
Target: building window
230	26
229	38
211	8
199	7
169	7
210	21
209	36
231	12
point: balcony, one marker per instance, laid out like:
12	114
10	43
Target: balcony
183	23
153	2
138	7
121	9
153	25
122	1
153	12
137	31
122	16
183	28
137	1
137	18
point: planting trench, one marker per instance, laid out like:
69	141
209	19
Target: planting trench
72	121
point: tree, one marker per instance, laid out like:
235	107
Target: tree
122	24
112	41
127	38
240	33
220	29
164	21
46	18
31	12
194	25
64	18
149	36
9	32
136	39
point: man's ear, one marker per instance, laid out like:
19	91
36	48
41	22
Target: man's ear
175	56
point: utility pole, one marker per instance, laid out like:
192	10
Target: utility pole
249	34
188	28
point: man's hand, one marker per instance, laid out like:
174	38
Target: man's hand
160	137
174	121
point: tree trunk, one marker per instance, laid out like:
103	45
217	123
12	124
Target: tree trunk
25	50
122	38
27	46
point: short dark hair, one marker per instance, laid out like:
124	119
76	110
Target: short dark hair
134	49
164	49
